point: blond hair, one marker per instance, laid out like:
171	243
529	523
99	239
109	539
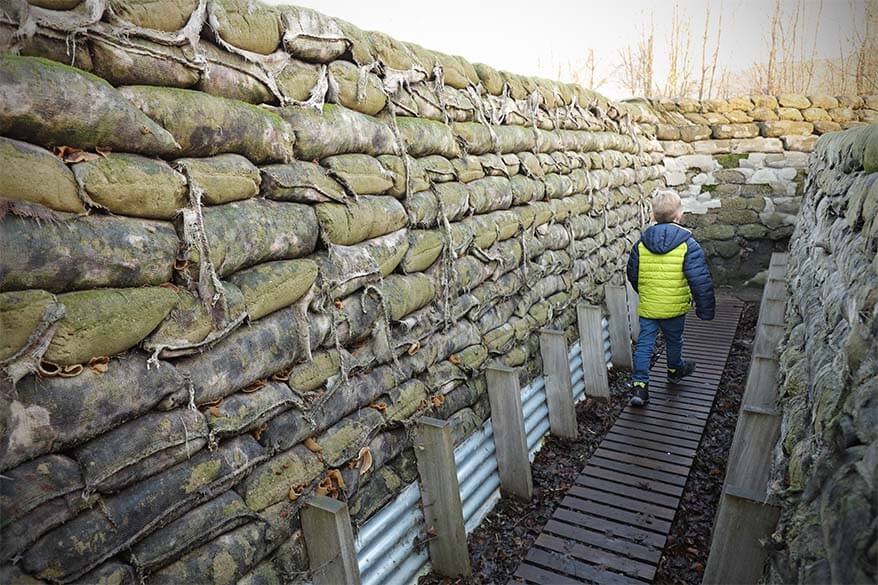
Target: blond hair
666	206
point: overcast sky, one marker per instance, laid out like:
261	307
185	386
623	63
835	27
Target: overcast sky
534	37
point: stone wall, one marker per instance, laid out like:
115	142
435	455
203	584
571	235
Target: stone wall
740	165
826	462
243	247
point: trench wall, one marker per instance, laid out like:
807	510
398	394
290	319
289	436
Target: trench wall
244	247
740	166
824	476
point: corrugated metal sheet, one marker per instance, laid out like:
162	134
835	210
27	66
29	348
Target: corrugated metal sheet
387	545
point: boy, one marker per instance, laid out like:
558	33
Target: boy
667	268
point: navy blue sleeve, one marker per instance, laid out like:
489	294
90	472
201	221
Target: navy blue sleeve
700	283
634	265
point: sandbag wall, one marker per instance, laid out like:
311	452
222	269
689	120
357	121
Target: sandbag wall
824	476
244	247
740	166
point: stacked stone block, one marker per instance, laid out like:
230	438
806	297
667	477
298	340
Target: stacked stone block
739	165
244	247
824	476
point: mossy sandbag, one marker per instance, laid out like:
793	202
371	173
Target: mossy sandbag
198	526
274	285
25	317
141	62
368	98
416	174
62	555
312	36
205	125
361	174
246	25
343	440
426	137
311	375
106	322
51	104
425	247
161	15
231	76
403	295
337	130
489	194
271	481
85	252
245	233
193	324
300	182
223	178
141	448
133	185
245	411
344	269
363	219
33	174
297	79
54	413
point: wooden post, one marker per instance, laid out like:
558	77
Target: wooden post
440	496
633	317
591	342
559	388
510	438
326	526
620	334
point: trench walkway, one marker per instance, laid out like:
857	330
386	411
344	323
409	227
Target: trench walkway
612	525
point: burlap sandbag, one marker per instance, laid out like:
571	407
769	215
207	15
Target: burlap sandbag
121	520
403	295
343	440
223	178
35	175
245	233
312	36
36	497
301	182
392	52
105	322
271	481
229	75
363	219
361	47
274	285
344	269
245	411
417	176
133	185
425	247
85	252
361	174
298	79
141	62
245	25
54	413
489	194
426	137
51	104
205	125
338	130
438	168
357	89
453	199
141	448
46	43
162	15
26	318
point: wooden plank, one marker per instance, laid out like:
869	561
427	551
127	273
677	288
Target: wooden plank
561	563
661	397
605	541
659	421
559	389
534	574
634	474
604	470
629	491
591	342
672	468
659	430
326	528
677	414
637	437
646	521
510	439
620	334
750	456
611	527
761	389
440	497
651	452
621	502
597	556
736	553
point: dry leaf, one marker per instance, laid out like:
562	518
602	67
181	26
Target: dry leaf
170	286
48	369
414	348
339	304
296	492
283	375
71	371
257	433
313	445
99	365
379	406
438	401
255	386
454	359
336	477
214	411
70	154
364	460
103	151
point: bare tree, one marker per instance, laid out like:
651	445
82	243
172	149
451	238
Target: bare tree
637	63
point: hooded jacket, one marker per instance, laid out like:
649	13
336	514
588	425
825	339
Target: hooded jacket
668	270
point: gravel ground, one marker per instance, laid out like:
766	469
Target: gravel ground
499	544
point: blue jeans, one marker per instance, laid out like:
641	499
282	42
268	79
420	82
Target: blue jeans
649	328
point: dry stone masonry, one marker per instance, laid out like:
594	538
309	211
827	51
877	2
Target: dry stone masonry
244	247
826	462
740	166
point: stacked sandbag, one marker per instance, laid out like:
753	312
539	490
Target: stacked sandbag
740	165
247	249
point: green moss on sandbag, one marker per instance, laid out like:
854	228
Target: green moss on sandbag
337	130
246	25
51	104
33	174
206	125
270	482
104	322
347	76
274	285
223	178
425	247
21	315
163	15
360	173
367	217
133	185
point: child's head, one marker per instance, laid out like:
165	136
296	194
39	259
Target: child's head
667	207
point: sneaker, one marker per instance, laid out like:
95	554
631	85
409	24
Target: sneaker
676	375
641	394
